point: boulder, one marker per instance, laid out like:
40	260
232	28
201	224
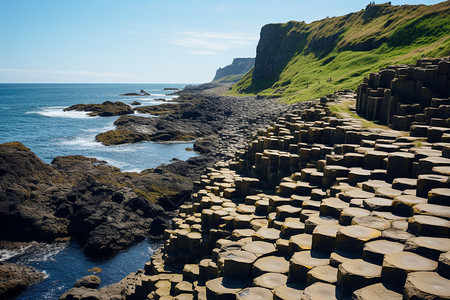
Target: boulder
90	282
15	279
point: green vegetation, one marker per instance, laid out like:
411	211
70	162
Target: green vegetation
229	79
337	53
342	110
16	145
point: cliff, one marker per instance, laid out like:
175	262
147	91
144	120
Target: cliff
234	72
299	61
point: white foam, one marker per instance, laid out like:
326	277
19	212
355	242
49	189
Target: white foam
58	112
47	251
6	254
83	142
102	129
144	115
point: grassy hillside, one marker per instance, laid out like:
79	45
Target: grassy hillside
229	79
311	60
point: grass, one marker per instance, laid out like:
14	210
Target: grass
363	43
342	110
229	79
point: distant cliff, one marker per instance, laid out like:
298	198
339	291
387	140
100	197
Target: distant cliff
298	61
234	72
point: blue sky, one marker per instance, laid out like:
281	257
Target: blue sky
148	41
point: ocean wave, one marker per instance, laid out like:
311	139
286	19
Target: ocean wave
47	251
100	129
81	142
32	252
58	112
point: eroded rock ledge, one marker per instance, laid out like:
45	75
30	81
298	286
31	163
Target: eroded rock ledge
14	279
105	209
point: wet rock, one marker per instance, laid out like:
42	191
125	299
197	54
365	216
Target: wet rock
106	109
90	282
15	279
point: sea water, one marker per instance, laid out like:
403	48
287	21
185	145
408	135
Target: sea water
63	264
33	115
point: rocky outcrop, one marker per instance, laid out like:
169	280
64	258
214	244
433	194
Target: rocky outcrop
166	108
239	66
405	95
202	111
106	109
14	279
141	93
276	48
105	209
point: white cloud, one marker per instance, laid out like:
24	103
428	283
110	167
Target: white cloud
22	75
209	42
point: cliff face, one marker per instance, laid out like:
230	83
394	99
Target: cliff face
239	66
298	61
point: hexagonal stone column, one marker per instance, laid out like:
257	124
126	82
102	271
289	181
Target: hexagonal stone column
300	242
444	265
270	264
397	265
238	264
326	274
429	226
324	238
302	262
375	251
270	280
440	196
254	293
224	288
430	247
427	182
352	238
289	291
404	204
259	248
347	214
426	285
356	274
378	291
321	290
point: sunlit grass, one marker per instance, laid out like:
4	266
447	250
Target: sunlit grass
405	34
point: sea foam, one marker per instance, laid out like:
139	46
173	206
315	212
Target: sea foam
58	112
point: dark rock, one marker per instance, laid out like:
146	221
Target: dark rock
15	279
82	197
136	103
237	67
105	109
90	282
162	109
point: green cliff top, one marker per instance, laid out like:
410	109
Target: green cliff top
298	61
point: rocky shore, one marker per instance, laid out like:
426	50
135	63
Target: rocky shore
105	209
317	206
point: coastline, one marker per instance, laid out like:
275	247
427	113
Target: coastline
91	172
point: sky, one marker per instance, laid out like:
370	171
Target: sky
142	41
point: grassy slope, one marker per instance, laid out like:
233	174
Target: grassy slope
229	78
407	33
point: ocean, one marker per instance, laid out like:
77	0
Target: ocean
33	115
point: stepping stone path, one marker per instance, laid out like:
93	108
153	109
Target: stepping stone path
303	216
